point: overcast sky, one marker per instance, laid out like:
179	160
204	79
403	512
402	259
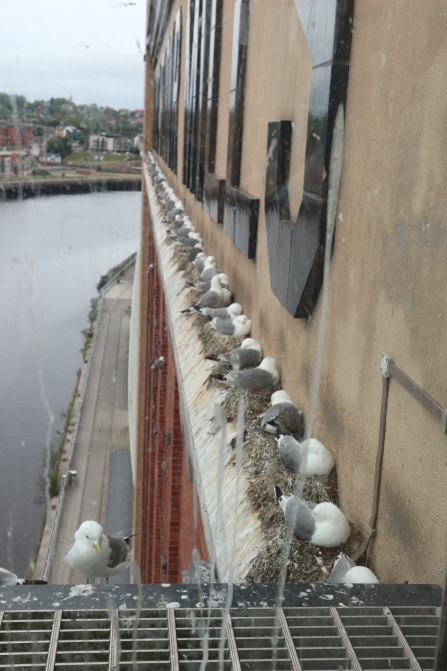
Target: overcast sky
40	59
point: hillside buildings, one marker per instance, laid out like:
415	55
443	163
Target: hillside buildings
109	143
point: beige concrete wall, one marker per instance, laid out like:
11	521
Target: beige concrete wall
389	267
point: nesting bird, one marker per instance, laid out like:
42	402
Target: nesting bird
321	524
283	417
308	458
264	376
206	286
237	326
345	571
199	261
97	555
248	354
233	310
211	299
209	269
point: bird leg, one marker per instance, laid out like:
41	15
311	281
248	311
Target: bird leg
88	579
107	580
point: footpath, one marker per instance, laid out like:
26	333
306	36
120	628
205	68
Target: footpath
103	489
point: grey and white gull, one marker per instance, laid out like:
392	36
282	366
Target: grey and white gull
248	354
233	326
264	376
321	524
97	555
308	458
283	417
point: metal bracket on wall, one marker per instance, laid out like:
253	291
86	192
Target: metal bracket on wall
390	371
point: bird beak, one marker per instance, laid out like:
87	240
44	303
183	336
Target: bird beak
269	405
97	547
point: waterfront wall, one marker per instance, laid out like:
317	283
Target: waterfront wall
18	190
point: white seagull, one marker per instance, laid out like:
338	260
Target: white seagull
97	555
321	524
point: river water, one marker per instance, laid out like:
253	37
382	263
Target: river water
53	251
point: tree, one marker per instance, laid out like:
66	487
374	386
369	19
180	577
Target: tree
59	145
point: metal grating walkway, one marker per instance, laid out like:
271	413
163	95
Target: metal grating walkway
245	639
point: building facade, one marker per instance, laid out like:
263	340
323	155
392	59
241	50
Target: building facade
16	136
109	143
244	104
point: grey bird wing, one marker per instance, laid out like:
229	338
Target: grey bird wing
188	242
208	274
286	416
222	313
241	357
299	517
183	232
224	326
209	300
199	264
203	286
118	551
256	378
289	451
270	415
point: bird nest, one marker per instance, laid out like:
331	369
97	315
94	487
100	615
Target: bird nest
214	343
255	402
264	469
181	256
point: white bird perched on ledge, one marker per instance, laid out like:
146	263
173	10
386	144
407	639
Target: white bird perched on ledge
211	299
308	458
97	555
283	417
158	363
233	310
322	524
248	354
345	571
264	376
237	326
206	286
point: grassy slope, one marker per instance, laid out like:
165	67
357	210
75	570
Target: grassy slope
88	158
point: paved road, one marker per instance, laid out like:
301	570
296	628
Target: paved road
102	445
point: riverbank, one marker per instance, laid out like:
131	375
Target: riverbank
95	182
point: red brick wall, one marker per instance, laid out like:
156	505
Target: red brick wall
171	523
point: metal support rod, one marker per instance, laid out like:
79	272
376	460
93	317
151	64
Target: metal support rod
173	650
346	642
234	655
288	640
371	526
114	647
52	650
416	391
2	612
402	640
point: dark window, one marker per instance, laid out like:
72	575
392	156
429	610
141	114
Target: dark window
296	249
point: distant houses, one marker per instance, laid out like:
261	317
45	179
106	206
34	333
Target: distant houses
109	143
50	159
15	164
12	135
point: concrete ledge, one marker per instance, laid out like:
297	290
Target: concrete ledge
106	597
200	429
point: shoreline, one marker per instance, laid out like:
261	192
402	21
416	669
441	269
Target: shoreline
18	189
